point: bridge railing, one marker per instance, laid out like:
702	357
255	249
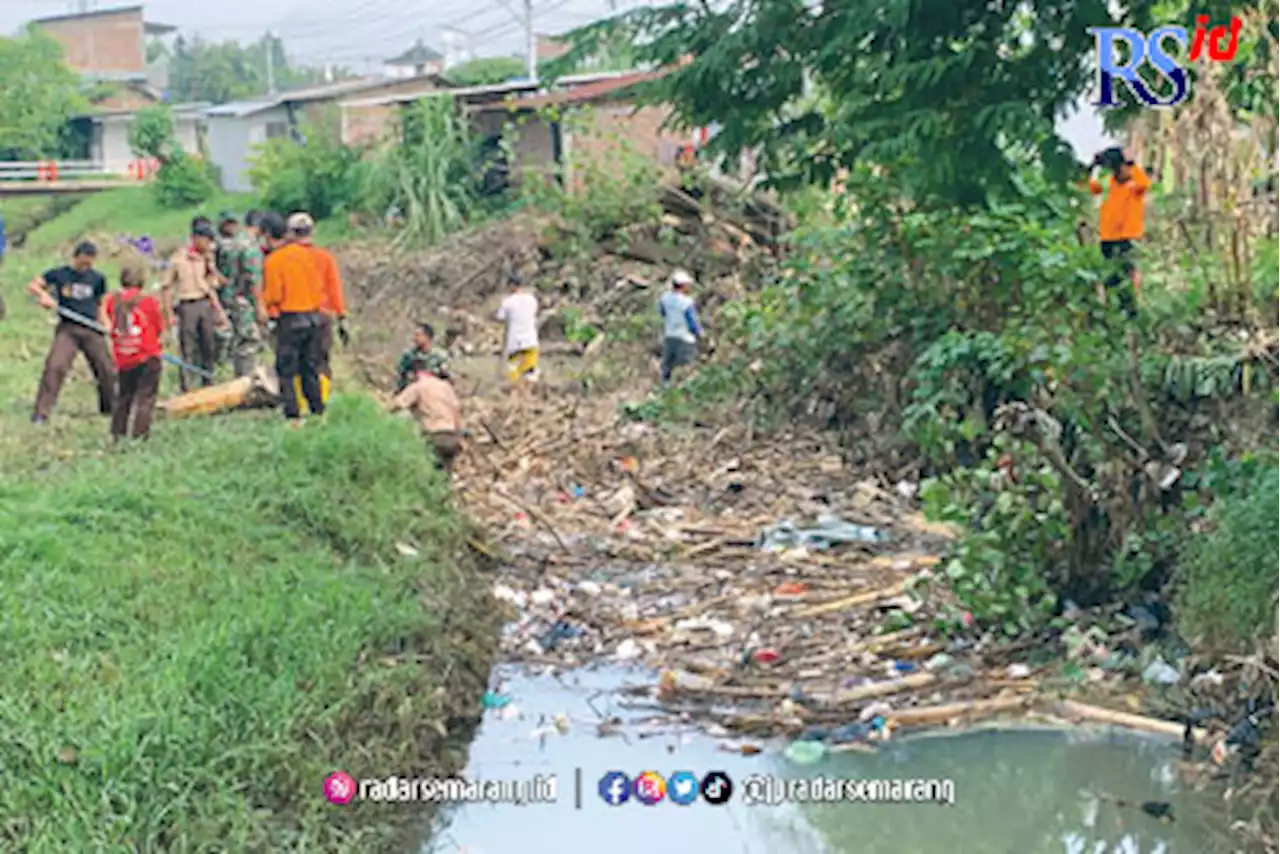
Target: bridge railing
52	171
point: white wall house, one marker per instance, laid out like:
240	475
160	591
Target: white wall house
109	135
235	130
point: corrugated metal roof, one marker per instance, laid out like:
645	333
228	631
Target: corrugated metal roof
511	87
576	94
239	109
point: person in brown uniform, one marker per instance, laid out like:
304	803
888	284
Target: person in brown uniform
190	301
77	288
435	404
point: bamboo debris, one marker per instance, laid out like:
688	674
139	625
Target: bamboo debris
1072	710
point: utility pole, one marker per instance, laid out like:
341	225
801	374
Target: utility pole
270	45
531	43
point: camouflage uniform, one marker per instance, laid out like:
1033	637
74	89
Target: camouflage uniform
240	261
435	361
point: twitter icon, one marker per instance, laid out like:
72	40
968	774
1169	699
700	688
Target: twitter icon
682	788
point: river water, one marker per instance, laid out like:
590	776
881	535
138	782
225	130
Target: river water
1015	791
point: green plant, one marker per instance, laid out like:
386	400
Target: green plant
315	173
428	172
38	96
183	181
576	328
1227	575
152	132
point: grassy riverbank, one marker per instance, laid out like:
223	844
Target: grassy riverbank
202	628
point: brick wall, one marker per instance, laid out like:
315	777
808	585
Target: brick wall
110	42
367	124
615	126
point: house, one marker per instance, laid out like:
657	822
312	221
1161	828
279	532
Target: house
417	61
537	141
109	45
106	132
235	129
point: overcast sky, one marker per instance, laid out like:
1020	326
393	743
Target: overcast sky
360	33
348	32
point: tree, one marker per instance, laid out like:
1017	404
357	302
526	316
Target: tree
38	97
228	71
486	70
952	94
152	133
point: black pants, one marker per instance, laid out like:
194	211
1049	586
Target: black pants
1120	282
298	355
136	394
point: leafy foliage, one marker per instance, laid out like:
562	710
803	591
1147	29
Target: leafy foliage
152	133
427	173
317	174
485	70
184	180
1227	576
38	95
952	96
226	71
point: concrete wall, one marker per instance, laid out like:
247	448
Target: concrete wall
110	42
109	144
231	142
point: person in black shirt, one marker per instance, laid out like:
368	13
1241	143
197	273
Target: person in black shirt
75	288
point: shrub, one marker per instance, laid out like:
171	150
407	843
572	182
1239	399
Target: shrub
152	133
1227	576
316	173
184	181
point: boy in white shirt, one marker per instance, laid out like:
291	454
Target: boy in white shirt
519	311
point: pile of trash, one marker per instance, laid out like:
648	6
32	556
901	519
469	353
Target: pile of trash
771	589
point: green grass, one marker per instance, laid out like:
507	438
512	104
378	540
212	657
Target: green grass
133	211
198	629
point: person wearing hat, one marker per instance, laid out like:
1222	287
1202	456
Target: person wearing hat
680	327
333	311
190	299
1120	219
239	261
293	294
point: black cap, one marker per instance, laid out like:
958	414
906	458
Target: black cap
203	229
427	328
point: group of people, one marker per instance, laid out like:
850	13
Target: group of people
225	293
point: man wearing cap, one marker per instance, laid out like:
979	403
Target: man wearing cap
293	294
333	311
76	288
432	359
680	327
239	261
190	300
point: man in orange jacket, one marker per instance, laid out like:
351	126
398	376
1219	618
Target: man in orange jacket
334	307
293	294
1120	220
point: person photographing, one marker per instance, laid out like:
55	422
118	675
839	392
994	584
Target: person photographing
293	296
1120	220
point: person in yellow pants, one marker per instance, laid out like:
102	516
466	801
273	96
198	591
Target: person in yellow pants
519	311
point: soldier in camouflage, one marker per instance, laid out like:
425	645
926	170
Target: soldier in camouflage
239	261
422	353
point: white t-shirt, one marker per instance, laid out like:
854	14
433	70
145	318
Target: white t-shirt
520	312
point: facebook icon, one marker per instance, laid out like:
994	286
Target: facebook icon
615	788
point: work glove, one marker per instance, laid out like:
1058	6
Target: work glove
343	335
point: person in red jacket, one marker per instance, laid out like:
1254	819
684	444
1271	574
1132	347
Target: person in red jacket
136	324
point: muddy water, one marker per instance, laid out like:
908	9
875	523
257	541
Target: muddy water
1015	792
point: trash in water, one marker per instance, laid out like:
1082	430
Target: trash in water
828	531
543	596
721	628
1159	672
791	588
590	588
676	680
1018	671
562	630
874	710
576	492
904	667
1208	679
562	723
938	662
509	712
766	656
805	752
494	700
628	650
503	593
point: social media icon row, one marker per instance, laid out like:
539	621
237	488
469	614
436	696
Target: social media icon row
649	788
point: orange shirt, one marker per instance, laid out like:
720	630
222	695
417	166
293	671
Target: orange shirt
291	282
1121	215
334	303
